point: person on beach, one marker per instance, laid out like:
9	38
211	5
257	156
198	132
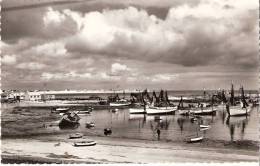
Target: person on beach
158	133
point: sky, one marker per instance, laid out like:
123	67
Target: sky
131	44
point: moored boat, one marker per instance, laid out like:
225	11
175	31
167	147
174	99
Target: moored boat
195	139
204	126
69	118
90	124
203	111
121	102
160	110
241	109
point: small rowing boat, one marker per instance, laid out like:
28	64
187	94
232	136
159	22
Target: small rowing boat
75	136
204	126
90	125
195	139
85	143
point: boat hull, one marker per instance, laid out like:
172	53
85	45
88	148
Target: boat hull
90	143
238	111
119	104
203	111
160	110
194	140
137	111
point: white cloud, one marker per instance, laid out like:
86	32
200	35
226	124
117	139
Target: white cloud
8	59
53	17
182	36
31	66
163	77
117	68
99	76
53	49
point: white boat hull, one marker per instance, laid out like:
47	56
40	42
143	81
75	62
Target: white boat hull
119	104
85	143
203	111
137	111
238	111
160	110
196	139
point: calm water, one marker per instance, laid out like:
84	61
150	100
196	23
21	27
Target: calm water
173	127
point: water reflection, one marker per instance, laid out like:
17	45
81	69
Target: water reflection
238	124
69	127
181	122
139	126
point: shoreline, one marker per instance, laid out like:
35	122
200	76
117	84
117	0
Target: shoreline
115	150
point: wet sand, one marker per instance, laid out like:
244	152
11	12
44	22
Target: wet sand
60	149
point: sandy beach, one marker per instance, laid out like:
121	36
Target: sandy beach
60	149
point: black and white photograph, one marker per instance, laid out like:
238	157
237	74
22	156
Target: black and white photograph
129	81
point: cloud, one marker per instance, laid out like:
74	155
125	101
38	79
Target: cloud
117	68
100	45
31	66
52	49
189	35
8	59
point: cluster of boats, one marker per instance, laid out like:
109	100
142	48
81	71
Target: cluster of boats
81	142
145	103
235	106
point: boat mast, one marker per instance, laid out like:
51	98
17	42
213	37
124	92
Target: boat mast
232	95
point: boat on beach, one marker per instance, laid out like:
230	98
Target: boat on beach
75	136
84	143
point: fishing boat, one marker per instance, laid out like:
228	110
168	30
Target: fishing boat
195	139
160	104
121	102
240	108
75	136
185	111
69	118
160	110
85	143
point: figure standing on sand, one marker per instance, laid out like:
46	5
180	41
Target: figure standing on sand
158	133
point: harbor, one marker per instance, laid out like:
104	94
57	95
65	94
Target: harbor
104	82
103	124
